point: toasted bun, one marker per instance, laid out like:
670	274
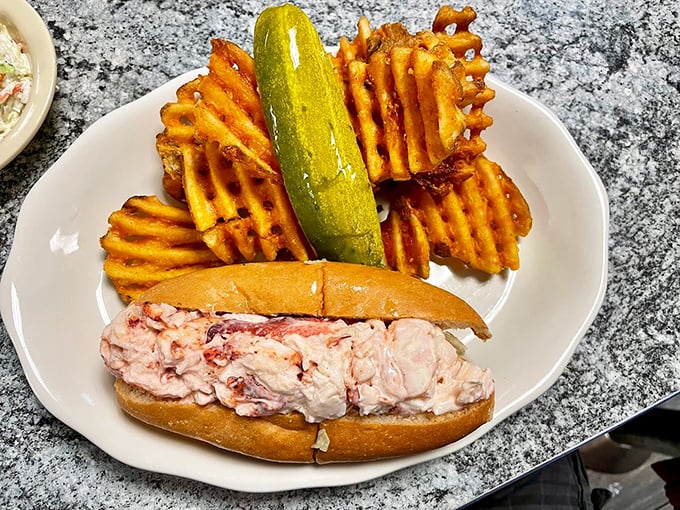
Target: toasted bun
320	289
281	437
288	438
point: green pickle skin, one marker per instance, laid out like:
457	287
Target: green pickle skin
323	171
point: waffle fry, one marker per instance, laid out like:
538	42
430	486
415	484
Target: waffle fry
176	142
466	47
404	105
478	222
241	216
229	111
407	247
428	87
455	203
149	241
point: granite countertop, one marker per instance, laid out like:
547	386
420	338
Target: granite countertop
608	69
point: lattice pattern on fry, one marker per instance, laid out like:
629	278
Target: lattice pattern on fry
466	47
230	113
149	241
238	215
407	247
404	104
417	100
176	142
478	222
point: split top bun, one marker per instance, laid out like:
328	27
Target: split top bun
318	289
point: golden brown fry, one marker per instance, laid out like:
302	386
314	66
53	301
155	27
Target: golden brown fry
235	68
439	93
451	121
382	144
149	241
404	107
218	119
477	222
451	29
230	113
414	130
407	247
456	81
176	142
241	216
393	148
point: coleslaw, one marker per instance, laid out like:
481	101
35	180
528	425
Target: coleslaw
16	78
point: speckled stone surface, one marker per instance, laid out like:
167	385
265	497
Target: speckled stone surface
609	69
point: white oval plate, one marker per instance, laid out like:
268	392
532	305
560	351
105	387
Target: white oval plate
26	26
55	299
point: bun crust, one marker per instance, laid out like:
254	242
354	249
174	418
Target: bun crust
289	438
320	289
284	438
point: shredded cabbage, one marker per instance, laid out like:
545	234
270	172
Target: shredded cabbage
15	81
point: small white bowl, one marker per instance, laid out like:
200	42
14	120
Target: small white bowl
26	26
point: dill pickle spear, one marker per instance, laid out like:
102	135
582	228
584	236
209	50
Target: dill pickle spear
323	171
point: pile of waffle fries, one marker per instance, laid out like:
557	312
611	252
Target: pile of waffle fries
417	105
